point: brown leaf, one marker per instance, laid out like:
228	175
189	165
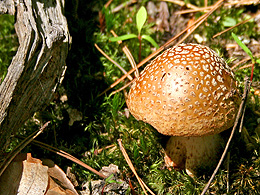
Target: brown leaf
28	175
25	175
59	183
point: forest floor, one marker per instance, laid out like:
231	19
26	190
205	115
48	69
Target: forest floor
88	125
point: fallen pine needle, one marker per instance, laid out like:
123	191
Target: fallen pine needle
200	20
246	66
111	60
66	155
142	184
244	61
128	55
122	88
182	3
97	151
230	28
19	148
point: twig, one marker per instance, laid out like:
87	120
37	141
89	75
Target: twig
66	155
243	61
132	70
252	70
143	185
241	2
111	60
201	9
241	108
205	3
191	28
122	88
207	8
240	62
97	151
121	6
19	148
228	161
182	3
201	20
108	3
246	66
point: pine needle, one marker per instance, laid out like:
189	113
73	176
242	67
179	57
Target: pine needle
66	155
128	55
111	60
142	184
228	29
19	148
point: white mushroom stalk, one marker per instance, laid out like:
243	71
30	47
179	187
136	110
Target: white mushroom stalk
187	92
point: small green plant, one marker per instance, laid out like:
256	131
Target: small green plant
141	17
109	180
247	50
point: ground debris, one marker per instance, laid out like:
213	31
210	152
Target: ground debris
111	186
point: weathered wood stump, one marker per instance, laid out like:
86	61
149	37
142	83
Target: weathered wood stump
39	64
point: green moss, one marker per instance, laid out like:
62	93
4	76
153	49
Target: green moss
8	43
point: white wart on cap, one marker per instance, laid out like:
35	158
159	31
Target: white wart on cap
188	90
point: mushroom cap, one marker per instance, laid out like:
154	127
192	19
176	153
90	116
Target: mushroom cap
188	90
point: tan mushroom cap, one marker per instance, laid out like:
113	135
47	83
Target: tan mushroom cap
188	90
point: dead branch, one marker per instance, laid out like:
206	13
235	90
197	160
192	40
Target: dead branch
38	66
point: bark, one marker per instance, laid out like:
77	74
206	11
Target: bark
38	66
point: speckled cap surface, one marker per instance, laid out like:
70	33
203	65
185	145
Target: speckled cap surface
188	90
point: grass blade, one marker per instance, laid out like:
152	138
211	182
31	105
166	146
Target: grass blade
243	46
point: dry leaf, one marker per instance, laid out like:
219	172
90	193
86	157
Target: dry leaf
29	176
24	176
59	183
72	177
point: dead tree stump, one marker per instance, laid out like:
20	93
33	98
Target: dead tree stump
39	64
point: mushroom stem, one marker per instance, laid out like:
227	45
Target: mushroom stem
193	153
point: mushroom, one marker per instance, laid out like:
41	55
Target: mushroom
188	92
